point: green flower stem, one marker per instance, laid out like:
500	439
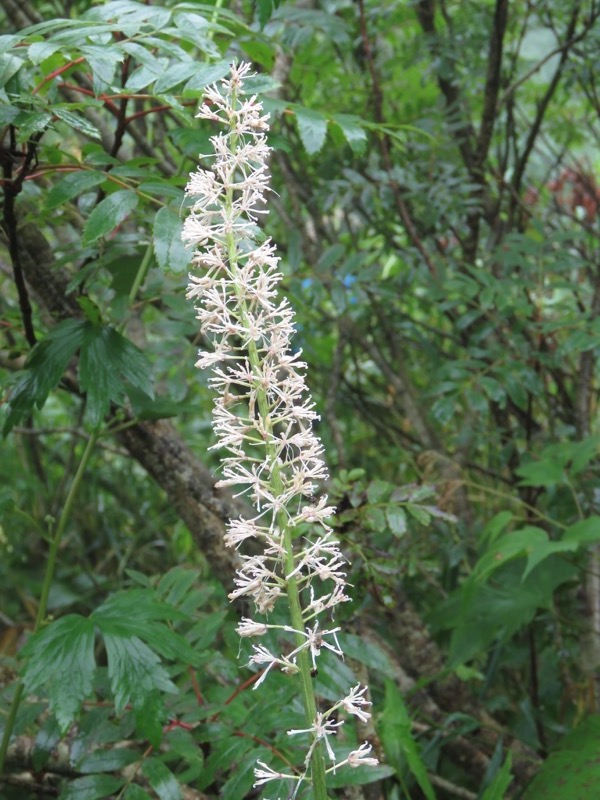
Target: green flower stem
48	578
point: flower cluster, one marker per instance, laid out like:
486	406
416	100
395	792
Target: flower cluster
263	413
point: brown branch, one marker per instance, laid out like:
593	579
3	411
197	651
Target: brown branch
492	81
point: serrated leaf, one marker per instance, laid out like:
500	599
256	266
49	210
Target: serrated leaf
134	670
44	369
28	123
398	741
77	121
109	213
73	185
242	778
149	719
46	740
61	657
92	787
353	131
114	616
107	361
161	779
312	127
168	247
40	51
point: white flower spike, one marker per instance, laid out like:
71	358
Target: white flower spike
263	418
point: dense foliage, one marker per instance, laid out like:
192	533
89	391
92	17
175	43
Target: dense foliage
437	214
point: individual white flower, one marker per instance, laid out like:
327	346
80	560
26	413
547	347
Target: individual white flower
355	702
322	728
360	757
247	627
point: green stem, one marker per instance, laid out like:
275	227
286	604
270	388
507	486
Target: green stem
48	578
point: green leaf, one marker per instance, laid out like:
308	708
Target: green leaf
584	532
61	657
92	787
107	361
109	213
312	127
111	760
353	131
170	251
502	780
134	671
114	617
572	771
357	776
398	742
544	473
529	541
205	74
135	792
240	783
44	369
174	75
396	519
161	779
73	185
76	121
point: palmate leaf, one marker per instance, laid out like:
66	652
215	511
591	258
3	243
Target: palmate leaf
61	656
44	369
107	363
136	635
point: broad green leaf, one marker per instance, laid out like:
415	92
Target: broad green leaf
584	532
174	75
168	247
110	760
312	127
40	51
357	776
135	792
109	360
524	542
109	213
398	741
396	519
76	121
72	185
572	771
150	717
161	779
353	132
541	473
206	74
61	657
372	655
92	787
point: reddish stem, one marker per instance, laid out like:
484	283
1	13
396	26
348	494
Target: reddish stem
196	687
58	72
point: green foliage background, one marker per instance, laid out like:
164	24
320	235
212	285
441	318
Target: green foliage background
436	208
